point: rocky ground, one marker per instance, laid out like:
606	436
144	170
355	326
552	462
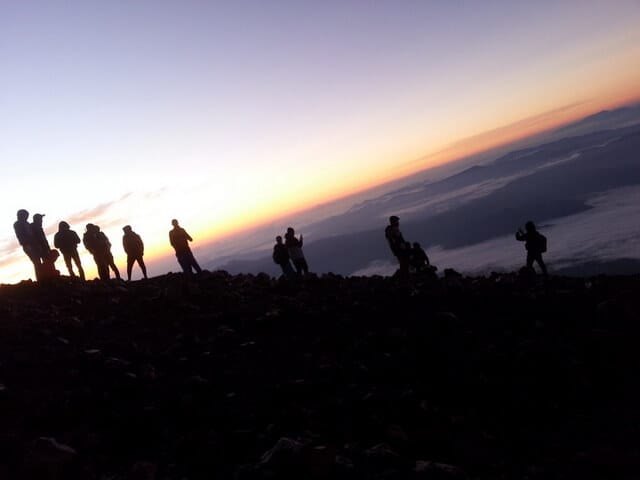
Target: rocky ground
369	378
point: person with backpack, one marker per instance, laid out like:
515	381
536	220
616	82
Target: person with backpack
96	248
66	240
535	244
281	257
134	248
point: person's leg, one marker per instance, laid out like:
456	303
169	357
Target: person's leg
403	260
304	265
298	265
103	268
75	256
130	260
67	261
113	267
287	269
194	263
143	267
530	259
543	267
184	262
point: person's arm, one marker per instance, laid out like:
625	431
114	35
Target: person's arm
520	236
300	241
188	236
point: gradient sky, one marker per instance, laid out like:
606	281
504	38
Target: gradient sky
226	114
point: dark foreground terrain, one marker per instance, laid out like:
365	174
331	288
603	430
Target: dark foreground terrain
247	377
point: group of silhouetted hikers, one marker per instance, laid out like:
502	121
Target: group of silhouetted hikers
33	240
290	251
412	258
287	253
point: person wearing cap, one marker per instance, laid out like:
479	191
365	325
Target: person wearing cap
134	248
24	234
179	239
66	240
397	244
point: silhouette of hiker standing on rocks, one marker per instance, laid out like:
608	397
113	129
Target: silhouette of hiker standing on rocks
93	244
281	257
40	242
179	239
106	244
66	240
134	248
24	234
294	246
397	244
535	244
99	246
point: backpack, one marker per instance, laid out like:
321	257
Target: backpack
542	243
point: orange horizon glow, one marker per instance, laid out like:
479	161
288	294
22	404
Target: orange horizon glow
477	144
282	207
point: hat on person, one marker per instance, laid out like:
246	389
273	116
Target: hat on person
38	216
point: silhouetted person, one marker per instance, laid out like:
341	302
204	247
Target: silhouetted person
106	244
281	257
134	248
397	244
67	241
418	258
98	245
179	239
48	270
40	242
535	244
294	246
25	237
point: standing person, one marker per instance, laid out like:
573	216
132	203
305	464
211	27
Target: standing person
281	257
397	244
134	248
66	240
535	244
105	246
294	246
40	242
95	246
179	239
25	237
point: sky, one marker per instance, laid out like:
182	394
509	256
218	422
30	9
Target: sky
228	114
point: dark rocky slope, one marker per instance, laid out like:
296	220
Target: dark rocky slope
248	377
